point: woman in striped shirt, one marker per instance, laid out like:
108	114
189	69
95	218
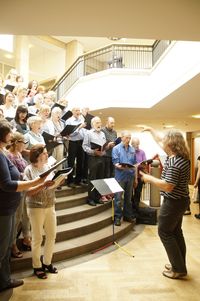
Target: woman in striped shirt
174	188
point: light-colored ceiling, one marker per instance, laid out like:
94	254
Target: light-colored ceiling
92	43
152	20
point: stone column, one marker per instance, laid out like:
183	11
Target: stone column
74	49
22	57
155	191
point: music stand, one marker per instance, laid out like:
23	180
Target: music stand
106	187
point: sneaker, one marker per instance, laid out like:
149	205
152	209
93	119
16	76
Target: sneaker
129	219
117	222
99	201
168	266
173	275
71	185
13	283
91	203
84	182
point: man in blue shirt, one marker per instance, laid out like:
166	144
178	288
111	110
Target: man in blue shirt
123	156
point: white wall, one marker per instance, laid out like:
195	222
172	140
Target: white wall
148	144
47	64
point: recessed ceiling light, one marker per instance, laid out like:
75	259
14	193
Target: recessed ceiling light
114	38
196	116
168	126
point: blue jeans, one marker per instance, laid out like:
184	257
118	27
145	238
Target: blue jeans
170	232
7	224
127	206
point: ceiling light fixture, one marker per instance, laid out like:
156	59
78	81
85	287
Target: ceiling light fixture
114	38
168	126
196	116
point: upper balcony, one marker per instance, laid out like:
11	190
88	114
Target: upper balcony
129	76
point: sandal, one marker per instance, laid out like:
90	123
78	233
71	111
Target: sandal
17	254
40	273
26	247
50	268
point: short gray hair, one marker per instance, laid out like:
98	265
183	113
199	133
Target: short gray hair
33	119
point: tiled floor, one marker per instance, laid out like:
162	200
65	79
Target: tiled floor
111	276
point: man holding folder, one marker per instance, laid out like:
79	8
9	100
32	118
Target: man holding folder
94	145
75	151
123	157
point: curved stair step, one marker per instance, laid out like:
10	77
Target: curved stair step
69	201
83	226
74	247
79	212
65	191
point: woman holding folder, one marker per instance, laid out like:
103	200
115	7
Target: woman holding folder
41	212
10	188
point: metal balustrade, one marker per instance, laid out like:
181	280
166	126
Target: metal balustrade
134	57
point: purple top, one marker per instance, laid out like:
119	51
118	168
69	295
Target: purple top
18	161
140	155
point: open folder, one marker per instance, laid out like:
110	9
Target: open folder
60	176
69	129
9	87
118	140
107	186
47	172
66	115
58	105
50	141
127	165
98	147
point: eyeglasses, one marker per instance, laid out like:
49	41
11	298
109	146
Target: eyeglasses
20	141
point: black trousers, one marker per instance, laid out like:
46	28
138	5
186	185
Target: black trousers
85	166
109	168
96	167
136	197
170	232
75	151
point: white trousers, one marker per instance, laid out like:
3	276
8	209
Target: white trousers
43	221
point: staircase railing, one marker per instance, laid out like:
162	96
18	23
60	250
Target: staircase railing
135	57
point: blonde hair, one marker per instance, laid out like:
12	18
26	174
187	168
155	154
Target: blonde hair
15	138
33	119
44	108
176	143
